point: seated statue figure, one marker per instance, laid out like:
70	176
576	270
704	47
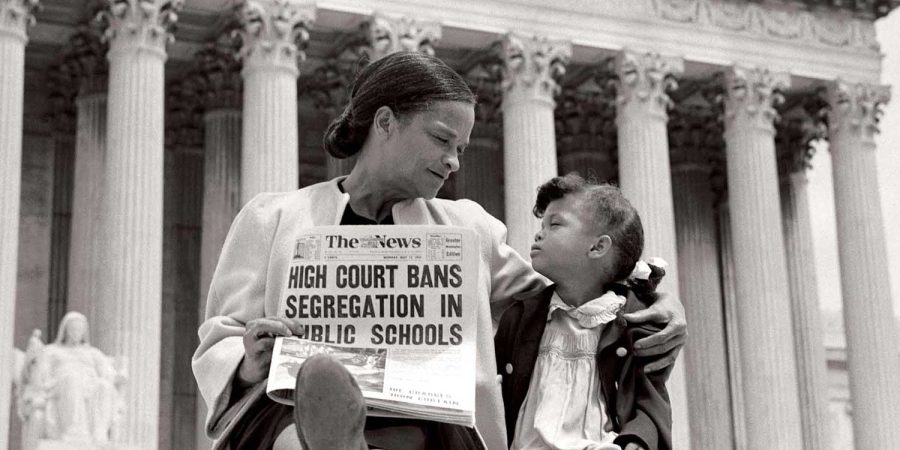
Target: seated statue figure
75	387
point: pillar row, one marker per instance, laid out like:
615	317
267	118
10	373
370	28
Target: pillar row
868	316
130	297
531	66
86	53
15	16
85	263
709	403
644	174
761	285
271	33
793	160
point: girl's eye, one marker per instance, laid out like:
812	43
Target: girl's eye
441	140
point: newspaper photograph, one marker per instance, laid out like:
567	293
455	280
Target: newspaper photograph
396	306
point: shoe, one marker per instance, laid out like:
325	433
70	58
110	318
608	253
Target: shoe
329	409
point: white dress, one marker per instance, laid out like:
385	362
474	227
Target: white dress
563	408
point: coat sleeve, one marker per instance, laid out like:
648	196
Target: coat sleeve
236	296
642	401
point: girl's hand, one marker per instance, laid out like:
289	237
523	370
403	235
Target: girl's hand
259	339
668	341
633	446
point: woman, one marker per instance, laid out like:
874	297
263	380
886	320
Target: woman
408	120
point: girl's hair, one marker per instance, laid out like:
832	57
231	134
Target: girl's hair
613	213
646	289
406	82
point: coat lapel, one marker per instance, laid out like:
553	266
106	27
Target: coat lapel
419	211
327	203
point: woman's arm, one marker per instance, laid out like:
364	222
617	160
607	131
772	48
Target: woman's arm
666	343
236	297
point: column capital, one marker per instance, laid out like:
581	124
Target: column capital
217	76
87	50
381	35
751	94
800	125
585	116
16	16
274	34
329	84
139	25
483	72
387	34
695	139
645	78
855	108
183	119
62	88
531	67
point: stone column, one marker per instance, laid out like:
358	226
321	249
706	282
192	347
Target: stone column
713	93
709	402
729	304
586	132
480	176
90	151
868	316
531	67
274	32
219	86
794	148
130	293
181	250
15	16
644	175
62	89
763	298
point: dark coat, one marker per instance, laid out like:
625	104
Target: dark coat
637	402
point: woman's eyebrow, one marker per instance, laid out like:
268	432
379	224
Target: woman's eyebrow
444	128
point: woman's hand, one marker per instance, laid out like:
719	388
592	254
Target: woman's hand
259	338
668	341
633	446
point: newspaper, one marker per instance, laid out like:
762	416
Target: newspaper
396	305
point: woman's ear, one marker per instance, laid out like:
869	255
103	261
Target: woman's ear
383	120
601	247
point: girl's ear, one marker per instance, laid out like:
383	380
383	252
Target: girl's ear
383	121
601	247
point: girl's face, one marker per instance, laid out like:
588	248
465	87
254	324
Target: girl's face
567	234
423	149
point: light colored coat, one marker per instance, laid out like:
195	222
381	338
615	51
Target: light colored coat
253	265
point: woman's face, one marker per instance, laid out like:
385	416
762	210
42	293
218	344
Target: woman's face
424	148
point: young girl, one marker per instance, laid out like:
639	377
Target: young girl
570	380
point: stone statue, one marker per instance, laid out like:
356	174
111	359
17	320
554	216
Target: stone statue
69	388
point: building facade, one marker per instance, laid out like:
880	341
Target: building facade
140	127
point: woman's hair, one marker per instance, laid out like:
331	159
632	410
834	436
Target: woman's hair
406	82
614	214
